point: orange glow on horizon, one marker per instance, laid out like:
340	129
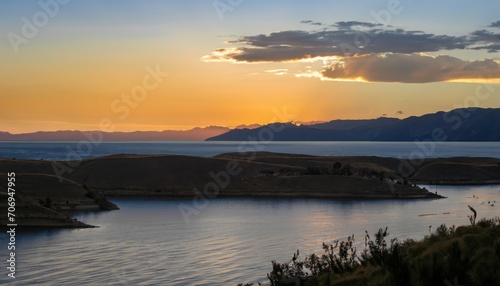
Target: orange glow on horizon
476	80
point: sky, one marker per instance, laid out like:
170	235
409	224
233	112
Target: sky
158	65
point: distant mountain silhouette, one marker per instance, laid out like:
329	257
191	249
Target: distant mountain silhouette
472	124
195	134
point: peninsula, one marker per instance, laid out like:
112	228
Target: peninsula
45	190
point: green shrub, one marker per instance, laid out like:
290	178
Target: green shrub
465	255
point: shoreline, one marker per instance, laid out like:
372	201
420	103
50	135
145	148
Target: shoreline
458	183
229	175
264	195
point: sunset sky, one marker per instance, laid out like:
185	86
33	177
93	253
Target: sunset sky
69	65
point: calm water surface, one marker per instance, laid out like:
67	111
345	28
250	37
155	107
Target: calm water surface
147	242
231	241
72	150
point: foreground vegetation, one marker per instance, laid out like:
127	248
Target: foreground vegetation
466	255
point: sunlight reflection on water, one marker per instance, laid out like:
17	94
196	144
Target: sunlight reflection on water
231	241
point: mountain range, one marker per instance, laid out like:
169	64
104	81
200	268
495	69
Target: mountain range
195	134
464	124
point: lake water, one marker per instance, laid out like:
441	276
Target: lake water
78	150
147	242
231	241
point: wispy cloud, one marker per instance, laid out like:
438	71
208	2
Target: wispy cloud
350	24
485	40
278	71
309	22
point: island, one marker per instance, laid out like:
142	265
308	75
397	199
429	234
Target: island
46	190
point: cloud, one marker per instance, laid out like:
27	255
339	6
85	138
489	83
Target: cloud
296	45
277	71
311	23
301	45
486	40
495	24
492	48
351	24
414	68
398	55
400	112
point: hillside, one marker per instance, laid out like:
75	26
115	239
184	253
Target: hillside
269	174
467	125
30	213
84	185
